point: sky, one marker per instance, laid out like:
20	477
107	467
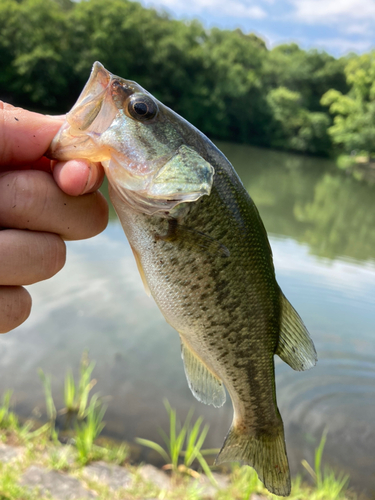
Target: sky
337	26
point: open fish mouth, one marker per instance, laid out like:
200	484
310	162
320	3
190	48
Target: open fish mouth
83	123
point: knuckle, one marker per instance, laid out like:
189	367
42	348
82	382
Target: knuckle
15	307
24	193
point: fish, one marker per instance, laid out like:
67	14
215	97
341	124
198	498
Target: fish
203	254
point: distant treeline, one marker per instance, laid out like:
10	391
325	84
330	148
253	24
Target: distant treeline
227	83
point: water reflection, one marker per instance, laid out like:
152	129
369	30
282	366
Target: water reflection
309	200
322	233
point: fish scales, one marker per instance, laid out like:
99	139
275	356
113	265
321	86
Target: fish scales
204	256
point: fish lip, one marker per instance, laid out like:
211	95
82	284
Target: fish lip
82	114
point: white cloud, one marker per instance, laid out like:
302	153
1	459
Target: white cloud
333	11
230	8
344	45
357	29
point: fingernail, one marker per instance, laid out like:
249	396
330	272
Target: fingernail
56	117
92	178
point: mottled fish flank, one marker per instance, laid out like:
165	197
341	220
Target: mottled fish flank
203	254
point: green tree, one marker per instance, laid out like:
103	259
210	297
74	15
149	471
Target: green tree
34	52
354	113
227	83
296	127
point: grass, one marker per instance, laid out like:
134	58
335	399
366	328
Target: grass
328	485
88	431
8	419
50	407
188	436
88	424
76	397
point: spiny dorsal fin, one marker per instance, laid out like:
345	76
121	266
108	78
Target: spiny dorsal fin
205	386
295	345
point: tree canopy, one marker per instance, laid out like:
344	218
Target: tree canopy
227	83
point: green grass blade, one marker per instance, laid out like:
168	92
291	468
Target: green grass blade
318	458
154	446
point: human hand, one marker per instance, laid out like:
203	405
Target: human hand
39	208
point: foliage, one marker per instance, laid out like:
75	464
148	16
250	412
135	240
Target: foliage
88	430
300	129
50	406
227	83
190	437
354	123
8	419
328	485
76	397
89	415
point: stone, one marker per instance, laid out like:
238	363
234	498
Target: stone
59	486
111	475
10	453
155	476
207	489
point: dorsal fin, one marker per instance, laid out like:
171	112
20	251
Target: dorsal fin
205	386
295	345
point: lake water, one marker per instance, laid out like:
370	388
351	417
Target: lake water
321	225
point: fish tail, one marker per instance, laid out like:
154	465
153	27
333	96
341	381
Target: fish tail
265	453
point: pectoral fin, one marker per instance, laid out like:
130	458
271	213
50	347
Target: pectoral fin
205	386
295	345
141	271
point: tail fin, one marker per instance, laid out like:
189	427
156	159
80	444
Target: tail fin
266	454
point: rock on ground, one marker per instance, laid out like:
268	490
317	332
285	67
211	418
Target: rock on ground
9	453
207	489
56	484
112	475
155	476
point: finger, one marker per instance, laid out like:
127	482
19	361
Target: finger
15	307
32	200
77	177
27	257
24	135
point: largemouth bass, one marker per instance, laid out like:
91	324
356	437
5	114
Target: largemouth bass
203	254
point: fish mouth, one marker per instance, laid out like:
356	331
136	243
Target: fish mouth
76	137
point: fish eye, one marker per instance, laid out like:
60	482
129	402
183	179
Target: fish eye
142	107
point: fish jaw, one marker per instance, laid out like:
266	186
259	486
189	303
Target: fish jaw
146	161
92	113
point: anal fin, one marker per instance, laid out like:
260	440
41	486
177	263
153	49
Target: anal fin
295	345
204	385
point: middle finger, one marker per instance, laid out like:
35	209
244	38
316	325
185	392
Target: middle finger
31	200
27	256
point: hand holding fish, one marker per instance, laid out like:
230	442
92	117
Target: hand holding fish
39	208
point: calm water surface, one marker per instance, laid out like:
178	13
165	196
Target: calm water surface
322	232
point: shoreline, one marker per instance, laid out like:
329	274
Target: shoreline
33	467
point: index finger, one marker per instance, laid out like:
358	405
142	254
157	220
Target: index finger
25	137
